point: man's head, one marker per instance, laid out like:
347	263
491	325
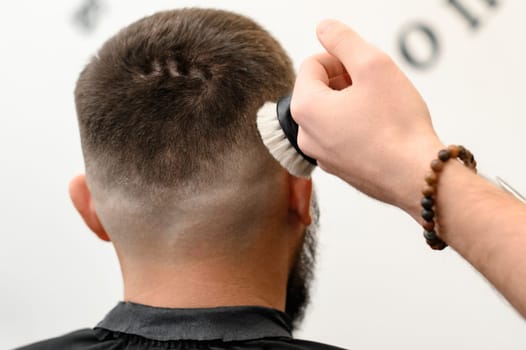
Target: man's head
175	167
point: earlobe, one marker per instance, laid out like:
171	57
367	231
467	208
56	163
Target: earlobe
82	201
300	198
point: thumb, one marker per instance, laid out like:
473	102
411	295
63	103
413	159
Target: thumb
342	42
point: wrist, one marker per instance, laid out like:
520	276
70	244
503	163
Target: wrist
459	182
410	193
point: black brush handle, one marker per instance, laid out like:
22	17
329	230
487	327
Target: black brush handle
290	127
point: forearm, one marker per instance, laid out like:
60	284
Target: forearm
487	226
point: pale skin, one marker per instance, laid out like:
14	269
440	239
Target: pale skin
364	121
255	275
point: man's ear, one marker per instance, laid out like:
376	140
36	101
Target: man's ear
300	190
81	198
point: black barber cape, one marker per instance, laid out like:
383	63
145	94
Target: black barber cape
136	327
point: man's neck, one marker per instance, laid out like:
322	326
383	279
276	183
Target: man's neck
207	283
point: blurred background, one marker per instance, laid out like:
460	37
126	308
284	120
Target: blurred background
378	285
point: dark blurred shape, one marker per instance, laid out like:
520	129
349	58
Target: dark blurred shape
88	15
429	36
472	19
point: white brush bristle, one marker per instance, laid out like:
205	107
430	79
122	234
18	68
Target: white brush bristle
277	143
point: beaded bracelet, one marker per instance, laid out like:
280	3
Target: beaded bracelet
429	200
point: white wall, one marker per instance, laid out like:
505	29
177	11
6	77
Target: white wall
378	284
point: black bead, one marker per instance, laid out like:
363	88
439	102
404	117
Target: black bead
434	241
430	236
427	214
444	155
427	203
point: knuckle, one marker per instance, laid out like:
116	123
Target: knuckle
382	59
298	107
309	60
305	143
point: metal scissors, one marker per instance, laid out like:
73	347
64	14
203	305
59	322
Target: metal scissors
506	186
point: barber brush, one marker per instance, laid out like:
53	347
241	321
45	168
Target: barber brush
279	133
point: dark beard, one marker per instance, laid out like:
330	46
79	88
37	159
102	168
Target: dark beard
301	276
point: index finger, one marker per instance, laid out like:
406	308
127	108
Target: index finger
317	72
314	82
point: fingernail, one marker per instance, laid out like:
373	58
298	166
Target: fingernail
324	25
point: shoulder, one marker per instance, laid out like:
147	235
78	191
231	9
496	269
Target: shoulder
77	340
307	344
294	344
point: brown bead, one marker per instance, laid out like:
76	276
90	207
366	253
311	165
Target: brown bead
431	178
428	191
437	165
462	152
428	225
454	150
439	245
444	155
467	157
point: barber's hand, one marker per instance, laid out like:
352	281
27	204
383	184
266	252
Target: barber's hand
363	120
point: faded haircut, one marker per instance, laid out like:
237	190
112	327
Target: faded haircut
171	100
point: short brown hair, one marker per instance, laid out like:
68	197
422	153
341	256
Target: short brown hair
170	96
